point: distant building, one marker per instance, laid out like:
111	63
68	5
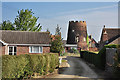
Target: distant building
93	45
109	36
77	35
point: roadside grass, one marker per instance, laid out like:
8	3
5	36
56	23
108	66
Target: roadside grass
64	60
73	54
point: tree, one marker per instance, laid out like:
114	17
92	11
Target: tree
58	30
25	21
48	30
7	25
57	45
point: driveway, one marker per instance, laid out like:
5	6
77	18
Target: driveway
78	69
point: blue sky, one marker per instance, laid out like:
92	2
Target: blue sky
96	14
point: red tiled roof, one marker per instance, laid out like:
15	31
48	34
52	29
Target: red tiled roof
112	32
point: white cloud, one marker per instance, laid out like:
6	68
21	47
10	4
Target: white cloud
95	21
89	9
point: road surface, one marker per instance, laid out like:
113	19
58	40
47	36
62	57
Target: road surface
78	69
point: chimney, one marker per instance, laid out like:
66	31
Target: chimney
104	26
90	36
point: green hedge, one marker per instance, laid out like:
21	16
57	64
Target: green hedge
24	66
93	58
98	59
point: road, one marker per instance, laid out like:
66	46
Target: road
78	69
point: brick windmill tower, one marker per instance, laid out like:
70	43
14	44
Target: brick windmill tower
77	34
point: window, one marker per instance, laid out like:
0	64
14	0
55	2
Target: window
73	30
12	50
35	49
84	39
77	39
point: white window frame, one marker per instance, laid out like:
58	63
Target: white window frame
84	39
12	50
34	46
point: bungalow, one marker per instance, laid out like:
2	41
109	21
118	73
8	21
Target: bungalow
109	36
24	42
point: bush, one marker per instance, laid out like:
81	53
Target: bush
75	51
22	66
99	60
64	54
9	66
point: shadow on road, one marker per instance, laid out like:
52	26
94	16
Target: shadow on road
79	67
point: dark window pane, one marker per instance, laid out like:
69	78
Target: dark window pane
15	50
14	53
31	49
10	49
10	53
40	49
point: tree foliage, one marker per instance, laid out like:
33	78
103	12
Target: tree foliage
25	21
57	30
57	45
48	30
7	25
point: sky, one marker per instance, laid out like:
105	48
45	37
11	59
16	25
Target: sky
96	14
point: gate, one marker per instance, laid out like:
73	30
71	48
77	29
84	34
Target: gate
110	53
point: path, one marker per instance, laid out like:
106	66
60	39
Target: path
78	69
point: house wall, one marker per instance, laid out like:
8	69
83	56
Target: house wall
4	49
46	49
23	50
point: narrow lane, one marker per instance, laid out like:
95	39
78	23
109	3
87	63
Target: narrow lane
78	67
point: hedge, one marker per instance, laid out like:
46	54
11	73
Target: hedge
99	60
24	66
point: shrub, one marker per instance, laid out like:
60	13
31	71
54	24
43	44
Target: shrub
21	63
9	66
99	60
54	62
22	66
64	54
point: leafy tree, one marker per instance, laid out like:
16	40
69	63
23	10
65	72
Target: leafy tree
25	21
7	25
57	45
57	30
